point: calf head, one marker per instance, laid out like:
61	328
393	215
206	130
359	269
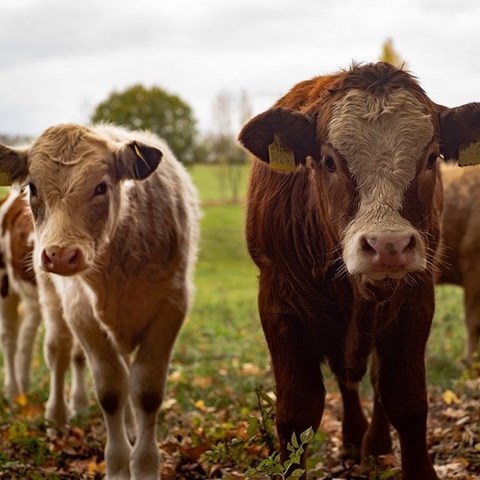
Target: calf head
75	179
371	140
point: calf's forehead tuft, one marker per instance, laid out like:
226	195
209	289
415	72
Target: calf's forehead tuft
68	144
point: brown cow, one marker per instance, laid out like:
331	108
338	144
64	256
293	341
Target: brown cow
461	245
346	245
117	238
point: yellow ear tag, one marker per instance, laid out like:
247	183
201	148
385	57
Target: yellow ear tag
5	179
281	158
469	155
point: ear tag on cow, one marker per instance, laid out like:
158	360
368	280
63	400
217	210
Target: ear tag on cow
281	158
5	179
469	155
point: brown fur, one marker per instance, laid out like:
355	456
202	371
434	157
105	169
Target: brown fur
311	310
18	222
461	241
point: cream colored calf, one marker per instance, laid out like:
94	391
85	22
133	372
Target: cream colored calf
117	237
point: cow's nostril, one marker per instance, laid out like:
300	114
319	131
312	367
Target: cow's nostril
366	244
74	257
411	244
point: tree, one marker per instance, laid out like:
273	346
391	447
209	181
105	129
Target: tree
390	55
222	145
153	109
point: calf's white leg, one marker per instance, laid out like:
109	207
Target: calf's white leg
57	350
9	326
31	318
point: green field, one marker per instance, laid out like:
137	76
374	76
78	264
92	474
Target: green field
220	362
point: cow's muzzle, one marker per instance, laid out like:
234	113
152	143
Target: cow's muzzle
386	254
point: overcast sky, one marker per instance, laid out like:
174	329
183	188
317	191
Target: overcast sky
59	58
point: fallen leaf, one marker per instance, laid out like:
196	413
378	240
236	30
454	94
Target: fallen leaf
450	397
21	400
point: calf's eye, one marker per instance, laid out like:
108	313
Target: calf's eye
100	189
33	189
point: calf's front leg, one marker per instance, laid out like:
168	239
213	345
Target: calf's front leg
57	348
148	375
110	376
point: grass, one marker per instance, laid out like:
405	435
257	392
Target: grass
447	338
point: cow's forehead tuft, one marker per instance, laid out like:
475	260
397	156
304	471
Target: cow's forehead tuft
383	139
363	124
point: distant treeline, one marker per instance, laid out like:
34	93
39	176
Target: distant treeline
13	139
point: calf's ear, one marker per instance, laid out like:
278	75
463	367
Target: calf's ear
13	164
280	135
137	161
460	132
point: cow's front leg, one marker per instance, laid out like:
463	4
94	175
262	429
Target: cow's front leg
402	388
354	422
377	440
9	325
299	383
148	375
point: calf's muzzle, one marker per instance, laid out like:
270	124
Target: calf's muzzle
63	260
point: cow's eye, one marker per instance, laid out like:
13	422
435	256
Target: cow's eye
100	189
329	163
33	189
431	161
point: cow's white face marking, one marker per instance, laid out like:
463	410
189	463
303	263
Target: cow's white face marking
383	139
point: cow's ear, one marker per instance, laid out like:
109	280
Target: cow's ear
13	164
460	131
280	135
137	161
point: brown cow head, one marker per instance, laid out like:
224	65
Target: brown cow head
370	142
75	176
